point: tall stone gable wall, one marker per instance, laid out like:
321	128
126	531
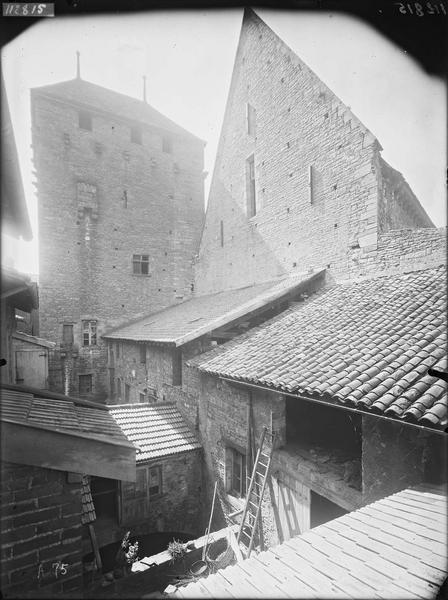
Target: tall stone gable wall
102	199
300	124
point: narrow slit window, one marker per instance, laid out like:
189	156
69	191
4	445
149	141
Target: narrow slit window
251	116
251	191
142	354
221	233
311	183
167	144
140	264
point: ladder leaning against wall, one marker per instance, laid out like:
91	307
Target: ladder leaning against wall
250	522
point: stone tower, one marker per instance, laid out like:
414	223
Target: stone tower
120	196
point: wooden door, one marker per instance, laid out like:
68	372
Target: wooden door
32	368
293	505
134	502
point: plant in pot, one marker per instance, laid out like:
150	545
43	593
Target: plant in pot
178	550
127	554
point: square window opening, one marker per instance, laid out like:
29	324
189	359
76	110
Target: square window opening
140	264
136	135
85	120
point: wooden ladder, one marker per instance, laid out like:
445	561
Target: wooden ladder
251	514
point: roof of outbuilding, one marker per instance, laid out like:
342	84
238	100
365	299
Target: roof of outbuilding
393	548
367	344
201	314
47	429
90	95
59	415
157	430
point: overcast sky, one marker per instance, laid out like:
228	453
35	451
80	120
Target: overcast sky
188	59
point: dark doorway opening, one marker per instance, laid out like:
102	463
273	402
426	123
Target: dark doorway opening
323	510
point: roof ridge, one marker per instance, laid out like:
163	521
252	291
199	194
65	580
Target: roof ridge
52	89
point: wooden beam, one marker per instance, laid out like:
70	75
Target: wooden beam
63	451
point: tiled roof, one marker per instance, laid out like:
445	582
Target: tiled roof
91	95
61	414
201	314
393	548
157	430
88	514
367	344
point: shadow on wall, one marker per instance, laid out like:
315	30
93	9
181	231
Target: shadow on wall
233	242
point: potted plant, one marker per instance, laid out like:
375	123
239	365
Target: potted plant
127	554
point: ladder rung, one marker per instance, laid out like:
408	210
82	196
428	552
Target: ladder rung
246	534
261	474
264	454
253	504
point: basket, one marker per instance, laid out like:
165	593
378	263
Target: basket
220	554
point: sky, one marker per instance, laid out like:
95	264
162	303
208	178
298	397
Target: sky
187	58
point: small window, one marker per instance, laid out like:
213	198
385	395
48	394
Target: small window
235	472
142	398
67	334
155	481
167	144
118	388
142	354
140	264
85	385
85	120
125	199
136	135
89	333
117	349
251	120
250	184
177	366
127	392
221	232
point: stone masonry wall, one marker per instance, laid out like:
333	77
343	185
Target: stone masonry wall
40	525
300	125
399	207
103	199
143	378
395	456
402	251
179	508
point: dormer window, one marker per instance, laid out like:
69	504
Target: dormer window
85	120
136	135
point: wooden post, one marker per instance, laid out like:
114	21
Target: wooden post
96	550
209	523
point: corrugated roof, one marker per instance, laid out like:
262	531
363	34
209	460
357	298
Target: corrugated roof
157	430
393	548
368	344
90	95
59	415
201	314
